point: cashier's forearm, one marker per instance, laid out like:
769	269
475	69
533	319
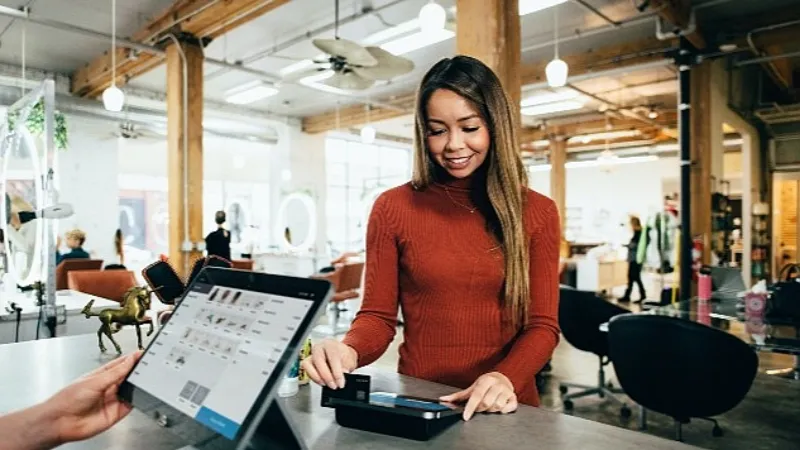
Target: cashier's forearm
29	429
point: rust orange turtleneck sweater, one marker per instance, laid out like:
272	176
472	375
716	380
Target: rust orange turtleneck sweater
427	253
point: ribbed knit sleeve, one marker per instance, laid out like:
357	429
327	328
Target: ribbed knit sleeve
374	326
536	343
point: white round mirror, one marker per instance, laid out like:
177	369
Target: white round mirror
22	195
296	227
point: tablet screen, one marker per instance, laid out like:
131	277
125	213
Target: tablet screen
213	357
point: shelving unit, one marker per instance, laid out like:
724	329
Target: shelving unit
760	266
722	224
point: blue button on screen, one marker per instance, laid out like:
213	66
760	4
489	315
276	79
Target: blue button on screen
221	424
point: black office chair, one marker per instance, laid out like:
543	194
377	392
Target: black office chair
680	368
580	315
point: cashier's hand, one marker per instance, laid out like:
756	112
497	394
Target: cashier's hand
90	405
329	361
491	392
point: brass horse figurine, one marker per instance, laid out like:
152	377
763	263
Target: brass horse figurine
135	304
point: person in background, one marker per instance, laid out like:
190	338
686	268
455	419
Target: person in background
119	246
634	265
85	408
119	252
467	251
218	242
75	240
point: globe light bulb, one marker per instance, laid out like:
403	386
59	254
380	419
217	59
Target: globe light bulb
432	17
368	134
113	98
556	72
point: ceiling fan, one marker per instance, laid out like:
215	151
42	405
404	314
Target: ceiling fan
355	67
128	130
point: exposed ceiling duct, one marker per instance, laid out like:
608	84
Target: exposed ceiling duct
143	118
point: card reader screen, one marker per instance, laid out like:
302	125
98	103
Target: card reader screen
213	357
388	399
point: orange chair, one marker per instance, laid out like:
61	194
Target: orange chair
242	264
349	282
68	265
108	284
346	279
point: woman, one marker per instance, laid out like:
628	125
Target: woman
634	264
119	246
466	249
218	242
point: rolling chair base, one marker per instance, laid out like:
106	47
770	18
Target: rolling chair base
716	431
602	390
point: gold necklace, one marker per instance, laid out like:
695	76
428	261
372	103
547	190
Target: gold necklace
471	210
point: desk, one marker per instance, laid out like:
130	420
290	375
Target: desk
600	275
298	265
69	357
70	321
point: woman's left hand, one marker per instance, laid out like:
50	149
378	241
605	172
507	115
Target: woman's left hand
90	405
491	392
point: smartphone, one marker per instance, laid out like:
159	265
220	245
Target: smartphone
162	278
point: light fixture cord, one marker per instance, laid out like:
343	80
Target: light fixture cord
24	52
337	116
555	29
368	106
336	20
113	42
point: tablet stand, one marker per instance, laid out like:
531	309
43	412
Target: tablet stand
276	431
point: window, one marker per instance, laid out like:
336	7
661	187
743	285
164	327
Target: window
355	171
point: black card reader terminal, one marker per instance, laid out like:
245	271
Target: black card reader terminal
388	413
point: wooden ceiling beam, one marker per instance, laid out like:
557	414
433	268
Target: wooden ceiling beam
595	125
204	19
605	58
356	115
678	13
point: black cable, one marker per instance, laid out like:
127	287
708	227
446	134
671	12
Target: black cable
19	319
39	322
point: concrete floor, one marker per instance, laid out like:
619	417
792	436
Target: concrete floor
768	418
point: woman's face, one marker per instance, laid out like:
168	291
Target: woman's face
457	136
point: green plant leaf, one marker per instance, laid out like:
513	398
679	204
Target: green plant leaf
35	124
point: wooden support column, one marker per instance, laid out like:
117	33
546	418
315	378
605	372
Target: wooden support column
701	155
185	172
558	182
489	30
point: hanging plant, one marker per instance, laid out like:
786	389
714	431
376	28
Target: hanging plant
35	124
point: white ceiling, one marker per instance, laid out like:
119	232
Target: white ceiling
56	50
63	52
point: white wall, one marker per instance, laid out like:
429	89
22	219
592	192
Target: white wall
623	190
87	179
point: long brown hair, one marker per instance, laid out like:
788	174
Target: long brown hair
119	245
505	174
636	224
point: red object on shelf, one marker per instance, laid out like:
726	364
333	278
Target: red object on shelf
697	256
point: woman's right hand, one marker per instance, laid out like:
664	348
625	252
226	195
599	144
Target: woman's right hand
329	361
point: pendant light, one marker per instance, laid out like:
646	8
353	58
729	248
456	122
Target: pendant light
556	70
432	17
113	97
